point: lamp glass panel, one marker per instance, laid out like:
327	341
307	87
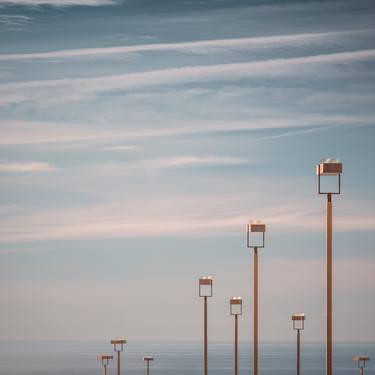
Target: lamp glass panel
236	309
205	290
329	183
298	324
256	239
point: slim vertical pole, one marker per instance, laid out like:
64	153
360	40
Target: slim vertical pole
361	370
105	369
236	344
298	352
118	363
255	328
205	338
329	364
148	367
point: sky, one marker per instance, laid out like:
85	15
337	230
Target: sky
139	137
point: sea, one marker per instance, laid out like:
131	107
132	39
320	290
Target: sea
172	358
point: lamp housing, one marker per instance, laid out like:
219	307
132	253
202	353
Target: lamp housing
118	344
255	235
298	321
104	358
361	360
329	176
205	286
235	305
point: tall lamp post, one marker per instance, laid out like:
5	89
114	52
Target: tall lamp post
235	309
205	291
361	360
298	325
147	359
329	183
104	358
255	241
118	346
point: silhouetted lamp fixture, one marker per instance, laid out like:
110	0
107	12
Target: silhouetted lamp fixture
105	358
147	359
361	361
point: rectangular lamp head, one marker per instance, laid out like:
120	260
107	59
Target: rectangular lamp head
298	321
205	286
148	358
255	235
329	176
235	305
118	344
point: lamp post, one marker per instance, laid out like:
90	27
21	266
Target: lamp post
329	183
118	346
361	360
235	309
147	359
298	325
104	358
255	241
205	291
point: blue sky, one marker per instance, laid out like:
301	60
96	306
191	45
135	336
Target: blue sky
139	137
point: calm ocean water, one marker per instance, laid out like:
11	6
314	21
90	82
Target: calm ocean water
177	358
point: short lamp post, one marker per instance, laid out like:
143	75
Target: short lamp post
147	359
118	346
104	358
298	325
205	291
255	240
235	310
329	183
361	361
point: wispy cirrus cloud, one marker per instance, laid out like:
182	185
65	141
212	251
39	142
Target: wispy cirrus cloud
120	148
185	161
202	46
59	3
29	133
82	88
165	217
14	19
28	167
193	161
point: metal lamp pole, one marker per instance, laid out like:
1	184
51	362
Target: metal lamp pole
298	325
361	360
118	346
104	358
235	309
205	291
147	359
326	169
253	232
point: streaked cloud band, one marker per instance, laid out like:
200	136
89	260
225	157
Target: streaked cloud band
78	88
202	46
28	167
58	3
